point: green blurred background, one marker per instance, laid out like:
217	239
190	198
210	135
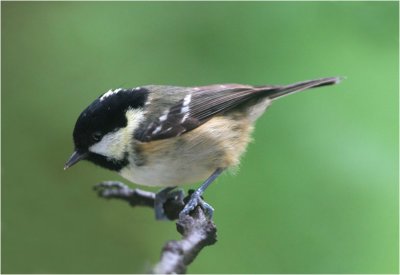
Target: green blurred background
316	192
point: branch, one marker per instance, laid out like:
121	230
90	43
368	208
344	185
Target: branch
197	230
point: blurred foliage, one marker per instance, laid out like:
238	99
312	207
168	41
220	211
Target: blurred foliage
317	192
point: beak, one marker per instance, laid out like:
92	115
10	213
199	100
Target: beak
76	156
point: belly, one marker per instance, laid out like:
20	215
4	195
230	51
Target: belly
192	157
166	173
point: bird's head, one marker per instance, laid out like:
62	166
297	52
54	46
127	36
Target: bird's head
104	130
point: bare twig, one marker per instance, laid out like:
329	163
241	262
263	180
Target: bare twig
118	190
196	229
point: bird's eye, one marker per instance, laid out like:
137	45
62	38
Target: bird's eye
96	136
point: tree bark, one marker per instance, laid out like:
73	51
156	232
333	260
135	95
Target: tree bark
197	230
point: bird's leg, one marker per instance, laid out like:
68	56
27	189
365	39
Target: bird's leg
161	198
196	199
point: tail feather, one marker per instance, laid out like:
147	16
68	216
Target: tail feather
281	91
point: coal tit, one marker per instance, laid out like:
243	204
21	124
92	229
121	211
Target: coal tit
168	136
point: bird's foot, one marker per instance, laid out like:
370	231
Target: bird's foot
162	197
113	189
194	201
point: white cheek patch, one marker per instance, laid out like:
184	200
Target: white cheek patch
108	145
116	144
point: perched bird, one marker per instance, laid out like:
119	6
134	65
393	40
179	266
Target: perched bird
168	136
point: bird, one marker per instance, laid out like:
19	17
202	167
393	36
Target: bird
167	136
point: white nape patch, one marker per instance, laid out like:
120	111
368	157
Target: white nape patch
137	88
115	144
110	93
187	100
164	116
158	129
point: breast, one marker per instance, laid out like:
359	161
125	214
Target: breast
192	157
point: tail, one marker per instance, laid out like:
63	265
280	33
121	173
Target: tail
281	91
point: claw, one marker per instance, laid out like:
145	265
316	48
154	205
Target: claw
196	200
162	197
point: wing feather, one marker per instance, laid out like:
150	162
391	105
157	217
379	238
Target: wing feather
196	106
181	109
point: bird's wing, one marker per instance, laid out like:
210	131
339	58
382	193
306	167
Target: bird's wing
180	110
194	107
